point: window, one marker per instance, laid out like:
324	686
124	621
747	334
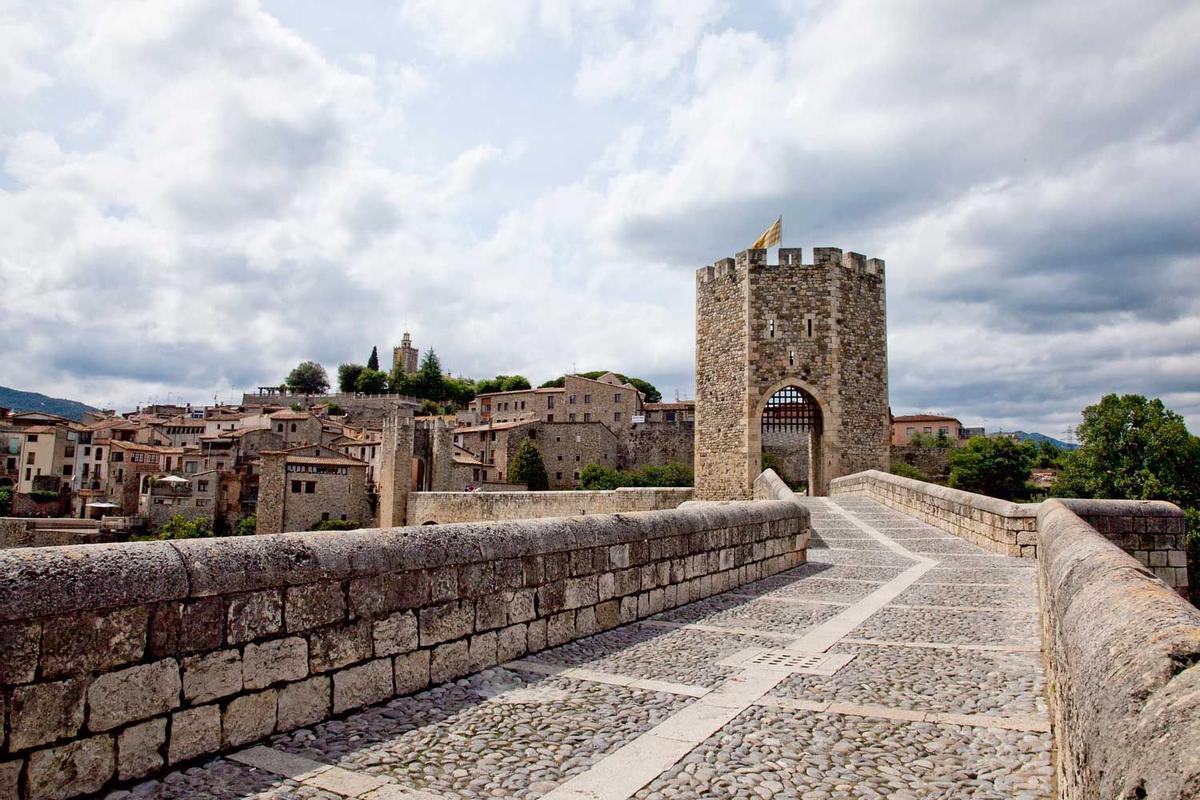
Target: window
616	397
295	487
522	405
99	454
310	487
550	401
558	475
279	428
909	431
549	418
928	429
587	398
809	322
118	456
67	469
791	358
293	427
29	458
570	418
28	473
616	416
670	416
191	467
587	416
31	437
571	399
771	328
560	457
202	486
943	429
577	475
69	451
576	458
201	502
324	516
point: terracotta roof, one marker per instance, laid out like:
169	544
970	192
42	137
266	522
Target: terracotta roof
499	426
38	429
289	414
925	418
343	461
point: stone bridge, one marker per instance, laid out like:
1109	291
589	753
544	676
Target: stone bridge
894	640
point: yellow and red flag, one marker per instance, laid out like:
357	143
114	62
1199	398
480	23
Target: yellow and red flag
772	236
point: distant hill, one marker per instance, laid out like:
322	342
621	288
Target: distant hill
1041	437
32	401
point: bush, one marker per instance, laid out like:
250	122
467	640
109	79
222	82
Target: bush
180	527
528	468
5	500
598	477
334	410
336	525
907	471
44	495
247	526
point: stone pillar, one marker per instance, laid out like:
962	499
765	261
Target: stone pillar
395	470
441	446
272	493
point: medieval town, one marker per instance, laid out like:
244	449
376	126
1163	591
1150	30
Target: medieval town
873	474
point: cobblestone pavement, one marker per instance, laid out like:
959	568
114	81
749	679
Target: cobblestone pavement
900	662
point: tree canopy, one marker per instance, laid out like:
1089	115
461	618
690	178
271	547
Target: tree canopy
348	377
1136	449
308	377
997	467
373	359
371	381
652	394
528	468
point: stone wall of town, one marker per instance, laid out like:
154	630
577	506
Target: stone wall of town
52	532
1123	667
446	507
933	461
123	660
658	443
1152	532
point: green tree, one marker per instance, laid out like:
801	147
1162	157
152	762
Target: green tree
373	359
996	467
460	391
1135	449
180	527
596	477
247	526
371	381
308	377
348	376
528	468
512	383
429	383
929	440
1048	455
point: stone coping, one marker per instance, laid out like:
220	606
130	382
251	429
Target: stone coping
982	502
44	581
1124	662
769	486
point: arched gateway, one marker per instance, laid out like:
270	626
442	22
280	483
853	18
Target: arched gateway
791	360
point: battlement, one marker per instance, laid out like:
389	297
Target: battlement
792	257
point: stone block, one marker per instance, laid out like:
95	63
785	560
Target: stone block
556	566
43	712
606	586
202	625
362	685
339	646
134	693
80	767
443	584
444	622
1158	558
254	615
536	635
194	732
607	615
476	579
139	748
520	605
511	642
383	594
10	775
303	703
411	671
585	622
580	592
449	661
482	651
1177	558
248	718
19	651
210	676
313	605
560	628
396	633
275	660
88	642
629	609
551	598
618	556
490	612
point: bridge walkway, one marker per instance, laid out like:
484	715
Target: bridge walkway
900	662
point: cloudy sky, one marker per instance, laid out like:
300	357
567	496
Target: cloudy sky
194	196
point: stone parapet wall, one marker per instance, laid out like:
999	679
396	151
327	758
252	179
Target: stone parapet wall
1151	531
446	507
120	660
1123	654
41	532
995	525
933	461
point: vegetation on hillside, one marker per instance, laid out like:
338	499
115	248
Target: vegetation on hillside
18	401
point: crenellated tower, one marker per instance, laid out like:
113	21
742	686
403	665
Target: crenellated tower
790	348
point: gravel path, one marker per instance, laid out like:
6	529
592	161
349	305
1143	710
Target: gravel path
959	639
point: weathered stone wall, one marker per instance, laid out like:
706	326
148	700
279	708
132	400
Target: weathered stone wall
791	449
21	532
933	461
1151	532
1123	670
447	507
122	659
658	443
760	328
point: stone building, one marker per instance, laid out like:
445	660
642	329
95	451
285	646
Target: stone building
607	400
789	346
905	427
405	357
297	489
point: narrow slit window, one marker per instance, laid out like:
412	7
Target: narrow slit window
791	358
809	321
771	328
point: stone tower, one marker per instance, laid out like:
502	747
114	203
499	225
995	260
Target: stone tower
795	347
404	357
395	470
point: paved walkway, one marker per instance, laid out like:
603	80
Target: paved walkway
900	662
